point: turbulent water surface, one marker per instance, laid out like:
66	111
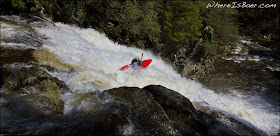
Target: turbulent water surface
96	61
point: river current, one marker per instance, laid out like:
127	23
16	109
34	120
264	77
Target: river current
244	86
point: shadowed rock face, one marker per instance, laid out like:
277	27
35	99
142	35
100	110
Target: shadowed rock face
146	114
179	109
184	117
155	110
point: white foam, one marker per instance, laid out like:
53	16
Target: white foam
128	129
8	30
20	46
273	68
17	65
246	41
97	60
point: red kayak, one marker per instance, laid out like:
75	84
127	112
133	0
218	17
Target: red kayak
145	63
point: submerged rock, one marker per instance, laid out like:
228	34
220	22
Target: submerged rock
49	60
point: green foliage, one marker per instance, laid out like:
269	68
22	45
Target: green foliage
130	16
259	21
150	25
161	25
136	22
19	6
49	6
223	20
206	49
182	21
18	3
180	25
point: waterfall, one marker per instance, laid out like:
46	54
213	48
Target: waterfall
95	60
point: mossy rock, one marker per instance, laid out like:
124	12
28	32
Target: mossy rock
36	86
48	59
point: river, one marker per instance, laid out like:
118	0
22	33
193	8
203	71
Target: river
245	86
250	69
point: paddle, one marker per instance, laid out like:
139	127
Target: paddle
141	59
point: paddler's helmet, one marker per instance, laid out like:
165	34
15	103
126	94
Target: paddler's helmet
136	58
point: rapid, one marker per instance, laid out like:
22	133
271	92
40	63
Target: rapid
95	61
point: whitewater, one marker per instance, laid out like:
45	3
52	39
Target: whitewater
95	61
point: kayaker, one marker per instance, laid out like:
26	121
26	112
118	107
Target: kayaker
136	62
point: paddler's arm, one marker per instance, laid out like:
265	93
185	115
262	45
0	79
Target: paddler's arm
133	61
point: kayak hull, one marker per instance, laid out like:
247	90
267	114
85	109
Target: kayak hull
145	63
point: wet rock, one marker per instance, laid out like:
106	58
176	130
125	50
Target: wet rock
49	60
36	86
153	110
184	116
237	126
21	76
118	111
187	60
32	75
179	58
9	55
148	117
46	96
94	113
179	109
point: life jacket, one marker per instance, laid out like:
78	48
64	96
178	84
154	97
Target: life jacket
136	63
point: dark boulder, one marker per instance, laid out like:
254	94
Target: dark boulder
118	111
241	128
143	111
186	119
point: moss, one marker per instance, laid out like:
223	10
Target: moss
10	55
49	59
227	49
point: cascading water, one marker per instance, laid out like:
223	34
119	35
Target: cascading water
95	61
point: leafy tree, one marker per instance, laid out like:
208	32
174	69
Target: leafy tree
133	22
181	23
19	6
223	20
206	49
259	21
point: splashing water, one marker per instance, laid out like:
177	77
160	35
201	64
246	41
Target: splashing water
96	61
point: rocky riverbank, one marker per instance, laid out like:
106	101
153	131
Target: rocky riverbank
37	103
147	111
193	61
